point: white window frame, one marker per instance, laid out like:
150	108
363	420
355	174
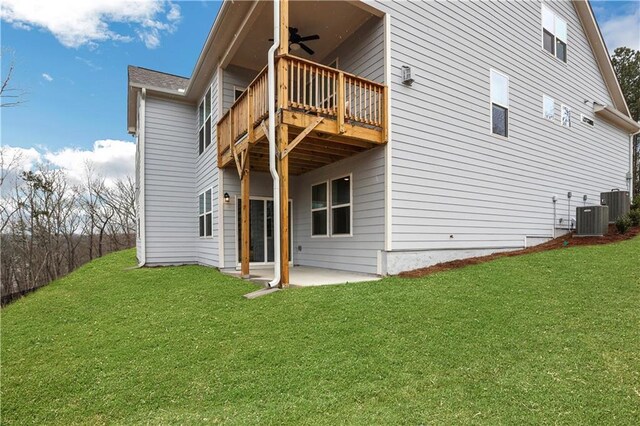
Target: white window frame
205	212
350	205
544	112
326	208
202	121
553	33
491	71
329	208
562	107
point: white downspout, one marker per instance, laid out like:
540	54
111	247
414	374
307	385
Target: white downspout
271	82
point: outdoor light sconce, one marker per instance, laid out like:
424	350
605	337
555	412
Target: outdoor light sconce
407	77
227	198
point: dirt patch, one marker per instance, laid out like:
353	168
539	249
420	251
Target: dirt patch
569	240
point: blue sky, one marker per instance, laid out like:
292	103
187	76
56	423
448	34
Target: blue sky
74	72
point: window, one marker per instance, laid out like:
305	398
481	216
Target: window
548	107
237	92
204	123
205	213
499	104
341	206
565	116
319	208
554	34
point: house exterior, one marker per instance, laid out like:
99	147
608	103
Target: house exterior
416	133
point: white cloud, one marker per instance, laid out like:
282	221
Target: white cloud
80	22
110	159
622	30
47	76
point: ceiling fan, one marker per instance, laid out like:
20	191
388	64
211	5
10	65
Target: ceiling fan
296	41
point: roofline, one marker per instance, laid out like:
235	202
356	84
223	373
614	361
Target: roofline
208	42
599	48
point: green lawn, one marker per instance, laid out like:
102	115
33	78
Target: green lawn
545	338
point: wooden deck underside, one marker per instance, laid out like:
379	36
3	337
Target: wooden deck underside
322	146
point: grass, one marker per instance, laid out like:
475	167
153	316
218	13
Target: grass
551	337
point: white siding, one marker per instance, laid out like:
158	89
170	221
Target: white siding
207	177
170	202
455	185
358	252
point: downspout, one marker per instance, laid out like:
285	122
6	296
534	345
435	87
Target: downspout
271	83
142	205
631	168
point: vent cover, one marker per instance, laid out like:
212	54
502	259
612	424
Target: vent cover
592	220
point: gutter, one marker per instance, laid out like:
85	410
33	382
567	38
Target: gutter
271	83
616	118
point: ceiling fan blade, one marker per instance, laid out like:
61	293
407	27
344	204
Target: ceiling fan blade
306	49
311	37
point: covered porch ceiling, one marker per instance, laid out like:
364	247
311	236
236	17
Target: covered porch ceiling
333	21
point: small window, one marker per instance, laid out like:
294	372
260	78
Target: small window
548	107
499	104
554	34
204	123
586	120
237	92
205	214
319	209
341	206
565	116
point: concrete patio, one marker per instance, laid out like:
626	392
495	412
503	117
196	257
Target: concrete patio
307	276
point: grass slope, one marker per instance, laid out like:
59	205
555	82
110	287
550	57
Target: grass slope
546	338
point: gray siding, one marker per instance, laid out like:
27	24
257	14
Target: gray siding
233	77
170	203
261	186
236	77
207	175
455	185
358	252
361	54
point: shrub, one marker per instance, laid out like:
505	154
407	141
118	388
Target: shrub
623	224
635	204
634	216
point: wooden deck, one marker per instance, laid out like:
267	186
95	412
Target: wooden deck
328	115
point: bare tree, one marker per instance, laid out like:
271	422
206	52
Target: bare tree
10	96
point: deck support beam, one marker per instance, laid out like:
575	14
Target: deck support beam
245	223
301	136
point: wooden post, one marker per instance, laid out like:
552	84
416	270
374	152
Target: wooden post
283	171
341	102
250	119
245	223
283	49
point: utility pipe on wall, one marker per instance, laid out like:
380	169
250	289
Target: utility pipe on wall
271	82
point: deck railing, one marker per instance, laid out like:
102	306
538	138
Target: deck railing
309	87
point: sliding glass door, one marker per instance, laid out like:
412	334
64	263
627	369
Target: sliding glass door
261	242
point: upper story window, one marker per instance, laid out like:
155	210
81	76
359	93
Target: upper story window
548	107
204	123
205	213
237	92
499	104
565	116
554	34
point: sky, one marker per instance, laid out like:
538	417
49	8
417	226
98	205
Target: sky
70	62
